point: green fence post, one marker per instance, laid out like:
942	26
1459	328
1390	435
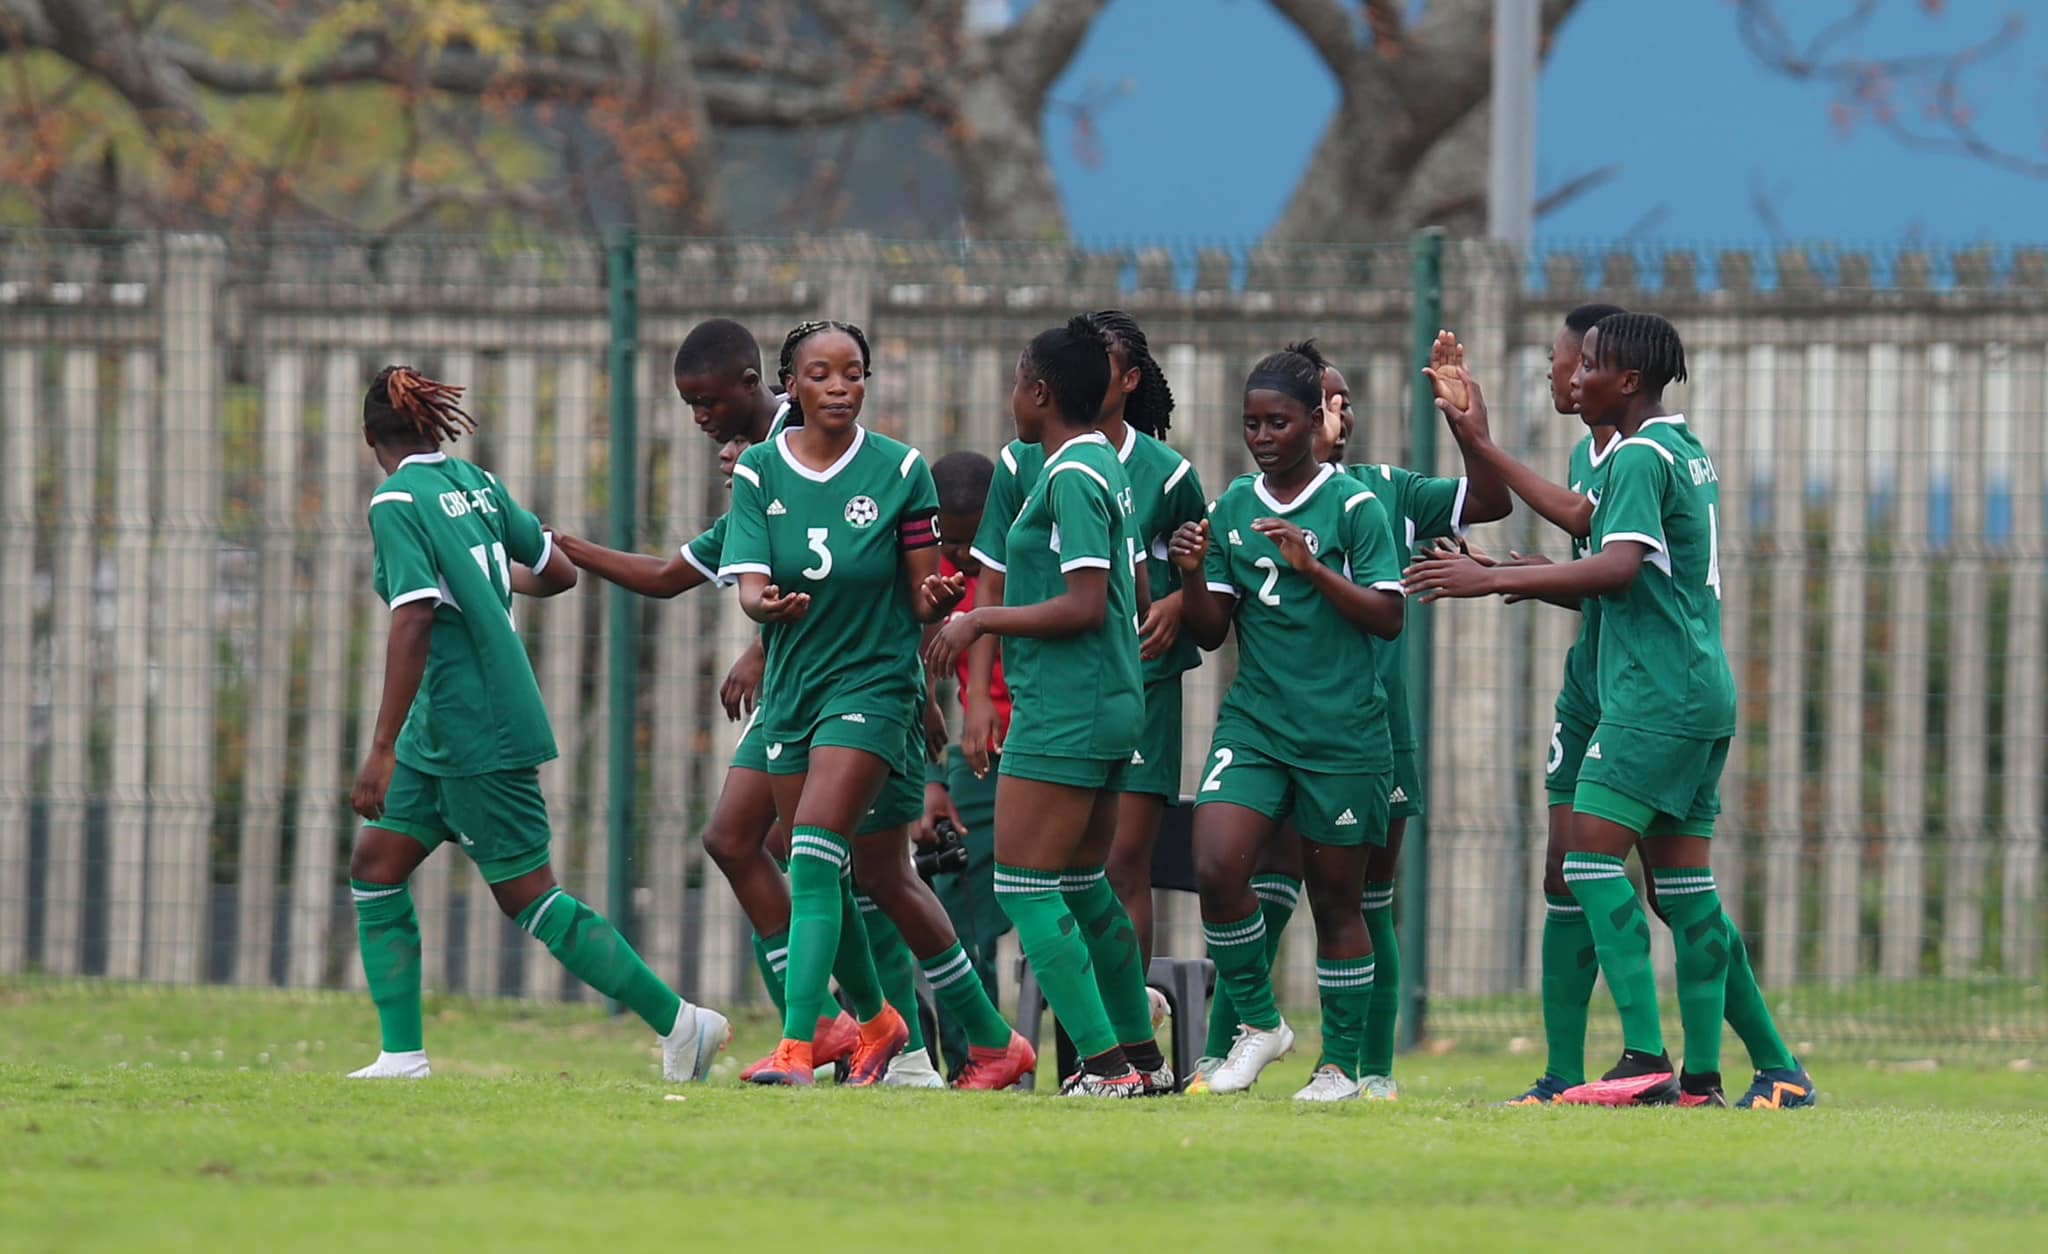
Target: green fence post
623	670
1427	250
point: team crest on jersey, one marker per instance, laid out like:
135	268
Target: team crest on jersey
862	511
1315	546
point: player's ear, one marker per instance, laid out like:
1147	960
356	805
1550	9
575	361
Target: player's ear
750	379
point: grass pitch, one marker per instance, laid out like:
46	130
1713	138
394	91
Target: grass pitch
215	1120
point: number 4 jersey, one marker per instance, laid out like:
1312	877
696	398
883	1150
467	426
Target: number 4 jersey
447	531
1661	664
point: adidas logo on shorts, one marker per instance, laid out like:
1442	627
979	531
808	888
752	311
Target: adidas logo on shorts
853	718
775	509
1399	795
1593	752
1346	819
1137	758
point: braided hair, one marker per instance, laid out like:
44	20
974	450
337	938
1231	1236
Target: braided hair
1296	371
403	405
1150	408
1642	342
786	368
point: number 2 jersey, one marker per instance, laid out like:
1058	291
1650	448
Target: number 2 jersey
1661	666
1307	691
839	535
447	531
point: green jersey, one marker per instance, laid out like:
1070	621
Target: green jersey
447	531
1307	691
1580	695
1078	696
1661	664
840	535
1165	492
705	550
1417	508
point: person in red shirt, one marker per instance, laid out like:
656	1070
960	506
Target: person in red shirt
953	792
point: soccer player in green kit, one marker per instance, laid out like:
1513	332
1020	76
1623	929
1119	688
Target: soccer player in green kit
718	375
1650	773
843	518
1302	561
461	732
1069	621
1780	1081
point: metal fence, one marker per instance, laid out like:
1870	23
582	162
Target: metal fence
190	652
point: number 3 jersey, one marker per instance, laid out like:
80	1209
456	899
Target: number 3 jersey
1307	691
1661	664
840	535
447	531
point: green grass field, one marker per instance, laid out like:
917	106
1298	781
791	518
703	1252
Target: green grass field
211	1119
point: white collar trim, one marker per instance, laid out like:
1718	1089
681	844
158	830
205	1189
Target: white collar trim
860	437
424	459
1323	476
1086	437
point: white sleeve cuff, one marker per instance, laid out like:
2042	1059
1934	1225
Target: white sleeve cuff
1390	585
1654	543
547	550
708	572
1458	527
1084	563
417	594
1227	589
732	570
986	560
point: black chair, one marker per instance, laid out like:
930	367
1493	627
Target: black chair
1187	983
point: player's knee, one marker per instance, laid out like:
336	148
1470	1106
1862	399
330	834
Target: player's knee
1331	905
369	864
726	843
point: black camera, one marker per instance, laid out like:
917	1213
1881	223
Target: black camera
947	857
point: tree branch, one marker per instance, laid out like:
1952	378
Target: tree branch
1037	48
1326	27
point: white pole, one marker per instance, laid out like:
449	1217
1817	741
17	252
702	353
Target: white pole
1511	163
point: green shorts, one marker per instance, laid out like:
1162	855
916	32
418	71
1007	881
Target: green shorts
901	800
1405	799
1155	764
1100	774
1651	783
1569	736
500	819
844	724
751	754
1327	809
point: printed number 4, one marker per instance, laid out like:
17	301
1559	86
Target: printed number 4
817	537
1714	551
1213	781
1266	593
483	563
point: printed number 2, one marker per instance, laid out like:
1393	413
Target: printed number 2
1266	594
483	563
1213	781
1556	749
817	537
1714	551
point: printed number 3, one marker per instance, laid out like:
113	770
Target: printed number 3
1266	595
817	537
1213	781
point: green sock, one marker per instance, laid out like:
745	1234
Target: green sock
960	992
1692	906
771	957
1052	943
894	966
817	866
389	931
1345	987
1113	951
1569	969
1748	1013
1621	937
595	953
1238	949
853	963
1384	1015
1278	897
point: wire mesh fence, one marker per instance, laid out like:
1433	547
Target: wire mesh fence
190	654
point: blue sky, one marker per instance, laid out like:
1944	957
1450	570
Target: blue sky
1224	99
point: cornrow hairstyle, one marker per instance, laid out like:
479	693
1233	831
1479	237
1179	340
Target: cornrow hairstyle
403	404
1586	317
1642	342
718	344
1296	371
1074	365
786	367
1150	408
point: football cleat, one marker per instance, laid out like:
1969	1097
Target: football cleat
693	1044
1781	1088
1252	1052
1328	1084
790	1065
991	1069
1547	1089
881	1039
408	1064
1637	1080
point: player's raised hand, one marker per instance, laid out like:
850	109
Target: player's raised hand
1188	547
774	607
372	782
1435	575
950	641
942	592
1446	371
1290	540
